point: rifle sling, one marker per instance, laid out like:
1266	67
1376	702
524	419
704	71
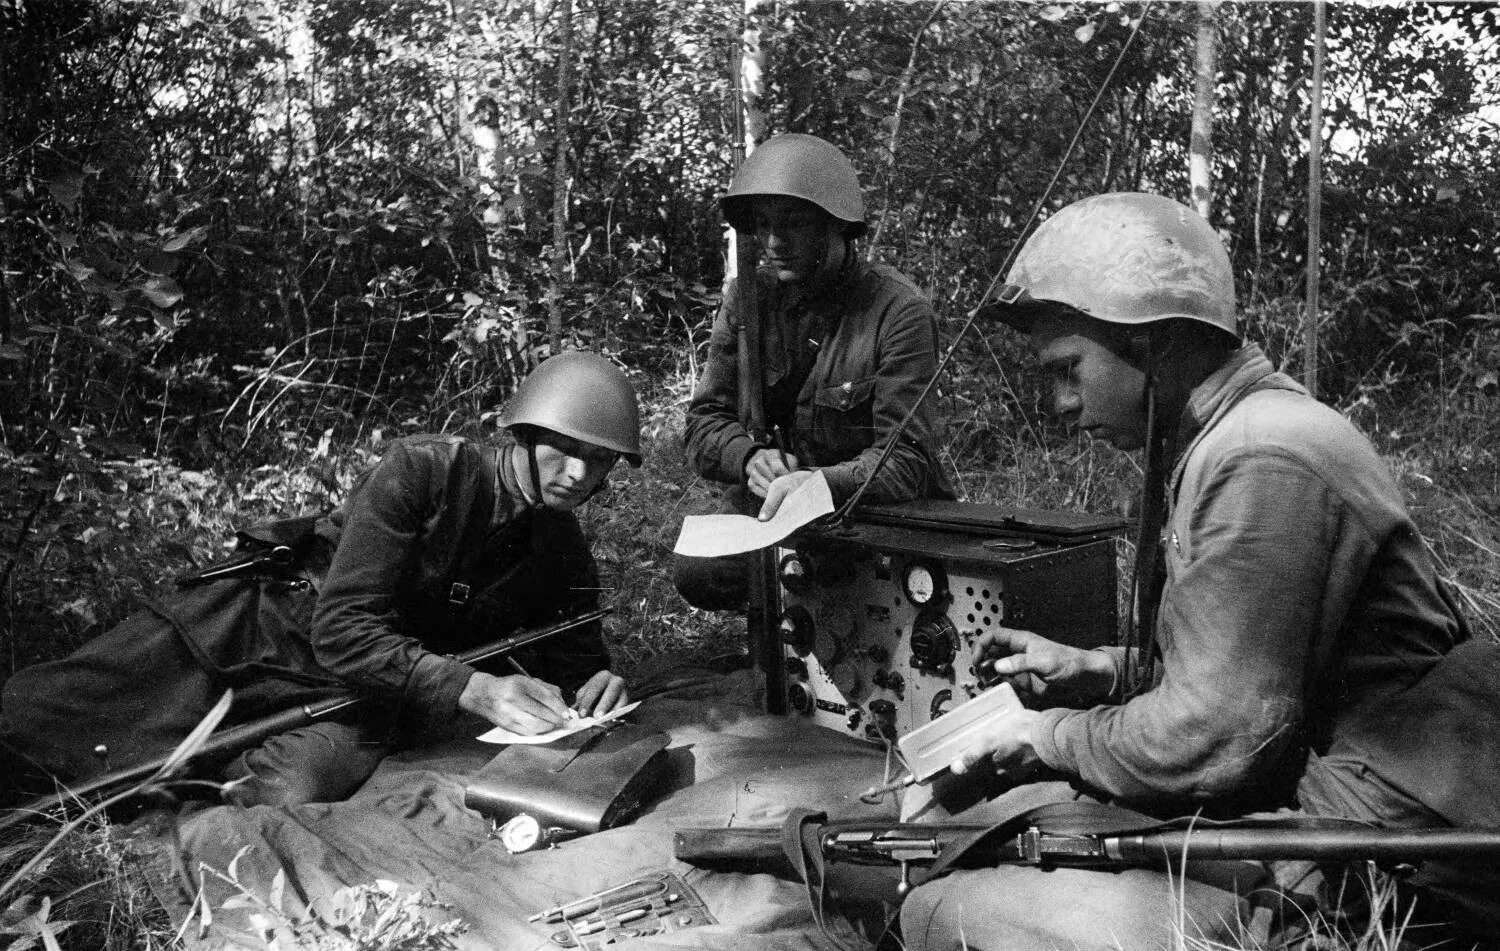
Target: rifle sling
801	840
1100	819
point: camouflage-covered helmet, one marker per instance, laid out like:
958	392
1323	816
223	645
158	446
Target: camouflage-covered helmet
1124	258
582	395
798	166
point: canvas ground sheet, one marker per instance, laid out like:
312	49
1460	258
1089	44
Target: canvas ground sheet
733	765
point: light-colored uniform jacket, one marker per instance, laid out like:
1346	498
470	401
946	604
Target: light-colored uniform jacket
1301	612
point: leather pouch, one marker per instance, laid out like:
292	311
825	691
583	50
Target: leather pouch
591	780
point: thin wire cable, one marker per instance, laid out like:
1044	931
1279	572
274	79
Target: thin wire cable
1015	248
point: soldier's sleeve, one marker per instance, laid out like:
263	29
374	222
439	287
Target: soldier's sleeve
356	628
1237	625
906	355
715	439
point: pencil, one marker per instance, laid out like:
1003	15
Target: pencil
781	448
572	714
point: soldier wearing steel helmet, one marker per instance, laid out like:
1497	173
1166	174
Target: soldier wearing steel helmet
445	545
847	346
1295	647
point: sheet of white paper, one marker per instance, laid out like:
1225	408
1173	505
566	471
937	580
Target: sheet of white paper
713	536
502	735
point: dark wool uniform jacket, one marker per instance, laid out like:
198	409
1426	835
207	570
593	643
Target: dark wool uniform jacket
842	369
419	572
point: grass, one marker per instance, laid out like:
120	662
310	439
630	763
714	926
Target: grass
106	533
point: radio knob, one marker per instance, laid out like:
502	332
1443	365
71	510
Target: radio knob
896	684
934	642
796	574
797	628
800	698
882	720
796	667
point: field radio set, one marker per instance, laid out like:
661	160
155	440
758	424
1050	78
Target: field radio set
866	626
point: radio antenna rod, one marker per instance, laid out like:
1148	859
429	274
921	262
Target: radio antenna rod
848	507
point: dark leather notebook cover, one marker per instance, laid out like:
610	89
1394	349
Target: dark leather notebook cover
591	780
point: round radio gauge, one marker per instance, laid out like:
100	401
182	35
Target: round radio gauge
925	583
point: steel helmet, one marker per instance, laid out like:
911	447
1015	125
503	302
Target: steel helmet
582	395
799	166
1124	258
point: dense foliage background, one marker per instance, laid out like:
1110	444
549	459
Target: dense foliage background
244	243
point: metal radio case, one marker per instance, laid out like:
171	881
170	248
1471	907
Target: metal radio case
873	620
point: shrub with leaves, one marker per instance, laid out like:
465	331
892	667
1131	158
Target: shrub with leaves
376	916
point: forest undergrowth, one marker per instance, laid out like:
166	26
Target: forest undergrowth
118	531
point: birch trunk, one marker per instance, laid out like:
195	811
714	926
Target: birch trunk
1205	75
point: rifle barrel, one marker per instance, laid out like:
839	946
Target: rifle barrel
1323	844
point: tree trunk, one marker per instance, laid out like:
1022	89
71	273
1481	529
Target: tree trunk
1200	145
560	176
895	130
1314	202
746	66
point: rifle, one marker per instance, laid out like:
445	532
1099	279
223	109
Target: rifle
750	377
974	846
255	732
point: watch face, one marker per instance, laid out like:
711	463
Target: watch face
924	583
520	834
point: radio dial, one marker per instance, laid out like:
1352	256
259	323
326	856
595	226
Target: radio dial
925	583
845	679
800	698
934	642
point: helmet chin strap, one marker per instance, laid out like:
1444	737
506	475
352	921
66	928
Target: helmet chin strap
1140	640
1165	400
536	478
826	273
531	467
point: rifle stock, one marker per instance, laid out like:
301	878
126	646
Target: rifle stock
246	735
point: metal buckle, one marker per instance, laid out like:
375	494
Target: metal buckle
459	594
1012	294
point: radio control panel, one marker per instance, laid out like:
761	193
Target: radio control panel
877	620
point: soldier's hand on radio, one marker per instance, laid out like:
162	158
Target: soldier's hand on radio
519	704
780	489
604	692
764	467
1037	665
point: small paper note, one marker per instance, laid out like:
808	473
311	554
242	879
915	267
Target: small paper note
502	735
713	536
